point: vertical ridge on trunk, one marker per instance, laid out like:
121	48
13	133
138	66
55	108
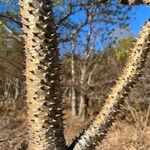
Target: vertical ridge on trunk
44	96
96	132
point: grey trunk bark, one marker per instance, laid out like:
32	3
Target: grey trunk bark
82	104
16	89
7	86
73	92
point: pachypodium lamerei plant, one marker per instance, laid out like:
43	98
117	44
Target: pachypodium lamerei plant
44	99
44	95
98	129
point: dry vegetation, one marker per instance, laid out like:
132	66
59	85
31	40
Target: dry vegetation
12	126
128	133
124	135
131	131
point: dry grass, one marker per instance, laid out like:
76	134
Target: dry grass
12	126
130	133
73	127
125	136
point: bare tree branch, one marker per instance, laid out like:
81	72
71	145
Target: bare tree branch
2	16
10	33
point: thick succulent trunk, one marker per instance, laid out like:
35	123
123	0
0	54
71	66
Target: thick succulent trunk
135	2
44	99
98	129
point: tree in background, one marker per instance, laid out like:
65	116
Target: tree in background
99	24
104	15
10	57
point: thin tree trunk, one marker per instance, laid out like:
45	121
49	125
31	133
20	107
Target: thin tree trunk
90	75
16	90
44	97
82	104
7	86
82	107
73	93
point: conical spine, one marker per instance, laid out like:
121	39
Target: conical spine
96	132
44	96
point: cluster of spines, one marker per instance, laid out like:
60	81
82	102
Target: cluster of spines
43	75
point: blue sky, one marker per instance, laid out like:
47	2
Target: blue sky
142	14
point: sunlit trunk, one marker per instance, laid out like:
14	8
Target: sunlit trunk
44	96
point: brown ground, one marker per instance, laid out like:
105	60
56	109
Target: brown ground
126	134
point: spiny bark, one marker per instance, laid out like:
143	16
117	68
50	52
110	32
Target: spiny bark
42	76
98	129
135	2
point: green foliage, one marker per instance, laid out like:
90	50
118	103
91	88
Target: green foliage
122	50
59	2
